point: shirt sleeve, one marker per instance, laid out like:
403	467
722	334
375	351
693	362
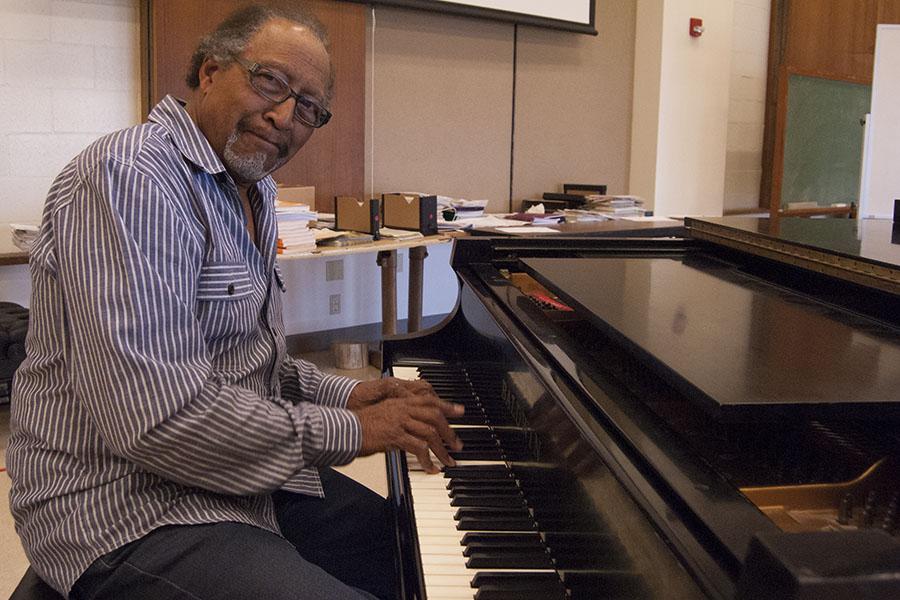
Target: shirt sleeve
127	266
302	381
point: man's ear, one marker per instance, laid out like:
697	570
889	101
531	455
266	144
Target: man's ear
208	70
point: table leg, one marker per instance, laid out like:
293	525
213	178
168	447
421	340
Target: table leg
387	260
417	257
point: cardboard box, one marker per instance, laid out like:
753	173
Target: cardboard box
298	194
410	211
351	214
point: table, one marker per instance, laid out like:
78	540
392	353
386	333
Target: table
386	259
9	252
385	249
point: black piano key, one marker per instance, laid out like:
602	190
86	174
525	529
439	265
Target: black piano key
533	545
500	539
483	486
510	558
491	511
488	523
494	500
475	438
518	586
467	419
477	472
467	454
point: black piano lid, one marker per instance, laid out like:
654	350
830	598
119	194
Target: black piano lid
730	339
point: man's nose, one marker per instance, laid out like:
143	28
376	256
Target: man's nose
282	114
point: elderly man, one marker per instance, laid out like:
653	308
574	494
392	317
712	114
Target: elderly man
164	445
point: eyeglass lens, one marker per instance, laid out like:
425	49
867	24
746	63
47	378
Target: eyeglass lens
276	90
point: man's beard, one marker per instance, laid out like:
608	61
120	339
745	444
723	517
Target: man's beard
248	167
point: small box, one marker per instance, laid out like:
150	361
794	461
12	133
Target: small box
298	194
351	214
410	211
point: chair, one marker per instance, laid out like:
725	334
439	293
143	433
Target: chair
33	588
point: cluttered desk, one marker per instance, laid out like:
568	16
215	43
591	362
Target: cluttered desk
415	221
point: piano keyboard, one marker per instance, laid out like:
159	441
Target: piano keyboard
500	524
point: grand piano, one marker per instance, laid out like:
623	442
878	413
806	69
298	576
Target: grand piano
712	416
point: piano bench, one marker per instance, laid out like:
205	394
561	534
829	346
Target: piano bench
33	588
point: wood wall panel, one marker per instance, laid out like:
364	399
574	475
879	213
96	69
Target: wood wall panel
333	159
835	38
888	11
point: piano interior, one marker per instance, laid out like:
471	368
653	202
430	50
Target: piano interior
656	419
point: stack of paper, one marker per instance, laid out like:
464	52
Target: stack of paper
615	207
295	237
574	215
293	211
468	209
294	234
24	235
399	234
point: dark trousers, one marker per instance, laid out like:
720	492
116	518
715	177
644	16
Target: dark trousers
337	547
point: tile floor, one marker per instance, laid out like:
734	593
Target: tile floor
369	471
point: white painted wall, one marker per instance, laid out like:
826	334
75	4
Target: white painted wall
306	301
693	76
747	103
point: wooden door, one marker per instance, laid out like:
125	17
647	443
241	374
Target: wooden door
333	159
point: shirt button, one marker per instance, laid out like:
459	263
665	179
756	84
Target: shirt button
231	289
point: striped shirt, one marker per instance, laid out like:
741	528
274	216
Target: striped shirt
157	389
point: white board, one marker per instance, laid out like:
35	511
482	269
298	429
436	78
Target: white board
576	11
881	173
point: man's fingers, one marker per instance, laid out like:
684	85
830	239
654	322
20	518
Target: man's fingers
434	415
419	449
430	435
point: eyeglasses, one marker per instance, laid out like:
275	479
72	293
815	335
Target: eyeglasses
272	86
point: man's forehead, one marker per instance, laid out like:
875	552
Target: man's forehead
288	46
285	37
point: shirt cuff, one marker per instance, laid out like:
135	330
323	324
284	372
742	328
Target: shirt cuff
334	436
334	390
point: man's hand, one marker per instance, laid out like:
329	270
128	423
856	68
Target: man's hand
373	392
408	416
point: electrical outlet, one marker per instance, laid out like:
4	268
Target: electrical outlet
334	304
334	270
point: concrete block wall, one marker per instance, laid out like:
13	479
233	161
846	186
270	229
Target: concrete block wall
746	112
69	73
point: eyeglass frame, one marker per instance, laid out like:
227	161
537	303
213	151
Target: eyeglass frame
253	68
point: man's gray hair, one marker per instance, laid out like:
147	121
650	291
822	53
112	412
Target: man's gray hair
230	38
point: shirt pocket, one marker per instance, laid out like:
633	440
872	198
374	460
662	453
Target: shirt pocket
224	282
227	307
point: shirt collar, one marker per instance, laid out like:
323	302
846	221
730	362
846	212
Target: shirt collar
192	143
186	136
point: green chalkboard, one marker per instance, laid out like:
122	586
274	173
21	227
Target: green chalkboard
823	140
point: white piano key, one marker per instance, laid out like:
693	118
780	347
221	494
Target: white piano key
407	373
450	592
448	580
443	564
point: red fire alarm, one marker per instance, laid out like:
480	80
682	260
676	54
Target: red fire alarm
696	27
